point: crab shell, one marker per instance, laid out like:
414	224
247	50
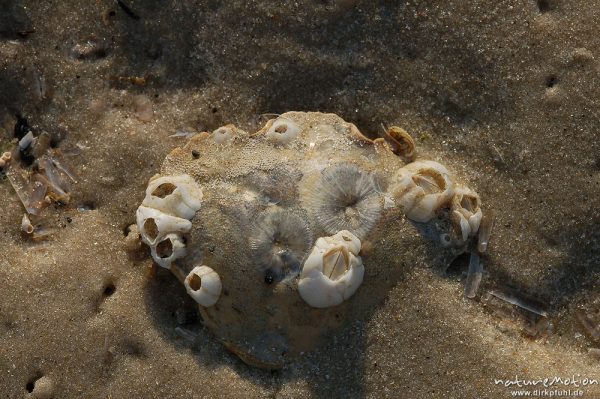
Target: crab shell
264	322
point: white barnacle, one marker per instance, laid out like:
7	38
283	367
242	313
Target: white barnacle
421	188
466	211
154	224
283	131
175	195
167	250
224	135
203	285
333	271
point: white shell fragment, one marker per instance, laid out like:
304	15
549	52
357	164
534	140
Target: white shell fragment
422	187
204	285
283	131
165	214
333	271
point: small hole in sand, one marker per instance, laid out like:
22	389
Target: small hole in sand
163	190
150	228
195	154
29	386
164	249
551	81
109	289
195	282
281	128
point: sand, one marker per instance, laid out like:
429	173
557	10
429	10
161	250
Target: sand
504	93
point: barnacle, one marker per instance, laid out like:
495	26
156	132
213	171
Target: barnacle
170	248
466	211
279	243
165	213
203	284
282	131
333	271
176	195
422	188
226	134
346	198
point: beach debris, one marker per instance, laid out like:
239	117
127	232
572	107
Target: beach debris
518	299
26	226
42	233
58	181
41	145
143	108
485	231
91	49
531	324
474	275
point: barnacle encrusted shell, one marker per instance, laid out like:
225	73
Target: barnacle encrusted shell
269	199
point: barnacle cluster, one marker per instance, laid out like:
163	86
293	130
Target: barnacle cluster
164	216
302	227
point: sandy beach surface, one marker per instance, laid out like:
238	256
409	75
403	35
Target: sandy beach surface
505	93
